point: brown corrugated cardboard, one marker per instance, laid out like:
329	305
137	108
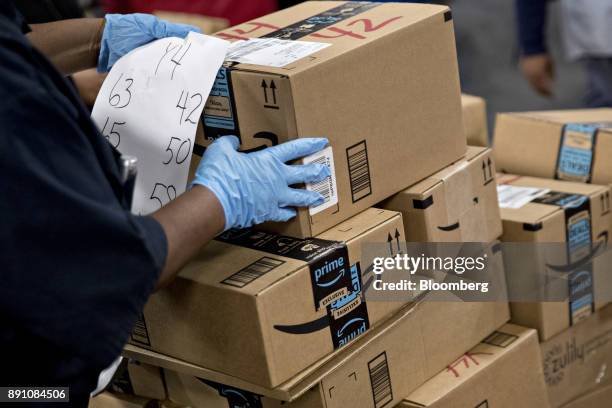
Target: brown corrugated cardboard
553	144
489	375
599	398
457	204
475	120
108	400
257	305
542	220
376	370
577	361
146	380
385	92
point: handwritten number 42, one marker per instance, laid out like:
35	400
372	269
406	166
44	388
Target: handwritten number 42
183	103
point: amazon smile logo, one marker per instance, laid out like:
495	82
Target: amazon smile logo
329	273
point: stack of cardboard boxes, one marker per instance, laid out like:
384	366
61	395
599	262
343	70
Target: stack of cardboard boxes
556	189
277	315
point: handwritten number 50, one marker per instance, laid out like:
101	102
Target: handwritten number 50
182	151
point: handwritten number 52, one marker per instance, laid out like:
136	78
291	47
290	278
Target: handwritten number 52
163	194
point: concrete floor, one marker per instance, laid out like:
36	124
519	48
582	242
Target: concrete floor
488	55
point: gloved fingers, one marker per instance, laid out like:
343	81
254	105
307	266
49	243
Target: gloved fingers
227	142
168	29
295	149
284	214
306	173
294	197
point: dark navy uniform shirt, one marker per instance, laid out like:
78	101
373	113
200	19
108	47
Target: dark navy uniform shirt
76	267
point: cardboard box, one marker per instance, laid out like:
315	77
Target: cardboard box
571	145
552	211
385	92
489	375
577	361
475	120
108	400
378	369
264	307
457	204
139	379
599	398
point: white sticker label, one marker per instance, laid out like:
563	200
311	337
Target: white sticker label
271	52
516	196
327	187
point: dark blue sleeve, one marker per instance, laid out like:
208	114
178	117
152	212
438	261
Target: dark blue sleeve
77	268
531	21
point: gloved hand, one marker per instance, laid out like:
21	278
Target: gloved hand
124	32
254	187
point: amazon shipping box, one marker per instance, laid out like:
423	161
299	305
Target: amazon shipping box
379	80
578	360
557	262
378	369
457	204
489	375
475	120
263	307
572	145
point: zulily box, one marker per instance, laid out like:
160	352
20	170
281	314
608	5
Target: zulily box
376	370
378	80
263	307
577	361
489	375
598	398
541	214
573	145
457	204
475	120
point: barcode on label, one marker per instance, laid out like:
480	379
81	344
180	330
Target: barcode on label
253	271
359	171
326	187
500	339
380	380
140	333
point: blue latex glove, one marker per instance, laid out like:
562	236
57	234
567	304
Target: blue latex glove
254	187
124	32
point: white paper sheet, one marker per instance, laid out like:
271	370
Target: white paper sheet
149	107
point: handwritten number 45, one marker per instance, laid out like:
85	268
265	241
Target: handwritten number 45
182	105
180	153
113	136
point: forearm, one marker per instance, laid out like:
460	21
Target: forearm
72	45
190	221
531	20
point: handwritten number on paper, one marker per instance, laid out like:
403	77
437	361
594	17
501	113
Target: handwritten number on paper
115	100
176	58
113	136
163	194
182	104
180	153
